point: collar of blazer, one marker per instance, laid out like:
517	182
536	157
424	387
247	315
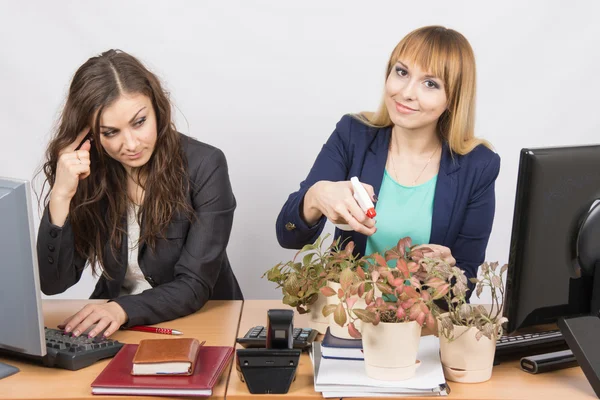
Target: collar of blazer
447	183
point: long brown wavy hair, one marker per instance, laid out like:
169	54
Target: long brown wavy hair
98	210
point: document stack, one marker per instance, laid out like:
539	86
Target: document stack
347	378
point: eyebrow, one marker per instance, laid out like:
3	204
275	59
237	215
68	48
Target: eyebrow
130	121
426	76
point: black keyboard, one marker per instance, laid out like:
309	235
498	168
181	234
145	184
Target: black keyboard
73	353
530	343
257	337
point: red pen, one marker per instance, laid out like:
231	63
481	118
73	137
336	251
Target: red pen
152	329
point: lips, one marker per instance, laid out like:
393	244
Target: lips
401	108
135	156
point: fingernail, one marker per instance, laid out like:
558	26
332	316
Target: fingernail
68	329
76	333
91	334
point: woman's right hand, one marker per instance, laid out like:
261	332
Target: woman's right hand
73	166
336	201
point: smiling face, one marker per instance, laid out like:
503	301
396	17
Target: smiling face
128	130
414	98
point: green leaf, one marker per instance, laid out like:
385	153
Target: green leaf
290	300
307	259
346	278
329	309
339	315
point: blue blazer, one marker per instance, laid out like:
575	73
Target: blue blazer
463	206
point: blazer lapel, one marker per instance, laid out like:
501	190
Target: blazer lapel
445	195
375	159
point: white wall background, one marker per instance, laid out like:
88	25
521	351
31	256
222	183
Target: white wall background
266	81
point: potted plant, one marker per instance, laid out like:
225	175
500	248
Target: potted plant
391	320
468	332
302	278
342	263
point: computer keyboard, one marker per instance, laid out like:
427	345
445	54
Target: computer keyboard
257	337
529	343
73	353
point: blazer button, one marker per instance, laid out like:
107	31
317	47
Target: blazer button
150	280
290	226
53	233
51	247
50	260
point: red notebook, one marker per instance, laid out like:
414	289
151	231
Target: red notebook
116	378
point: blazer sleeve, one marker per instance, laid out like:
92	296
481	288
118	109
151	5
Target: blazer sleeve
472	240
60	267
332	164
199	264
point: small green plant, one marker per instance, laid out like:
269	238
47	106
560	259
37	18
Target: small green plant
407	285
488	322
302	278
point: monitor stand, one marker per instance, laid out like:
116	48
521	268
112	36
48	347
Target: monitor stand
7	370
581	334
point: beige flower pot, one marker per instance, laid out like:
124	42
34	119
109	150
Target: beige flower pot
335	329
390	350
466	359
316	320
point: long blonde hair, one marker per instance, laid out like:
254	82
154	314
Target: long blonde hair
448	55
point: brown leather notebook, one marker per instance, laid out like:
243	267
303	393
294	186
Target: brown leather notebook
166	356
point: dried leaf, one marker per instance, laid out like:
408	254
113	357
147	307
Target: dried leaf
479	290
364	315
496	281
384	288
465	312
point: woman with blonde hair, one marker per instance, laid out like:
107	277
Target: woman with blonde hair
417	157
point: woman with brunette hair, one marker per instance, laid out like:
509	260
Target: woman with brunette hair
417	156
148	208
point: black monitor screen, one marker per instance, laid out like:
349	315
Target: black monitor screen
556	188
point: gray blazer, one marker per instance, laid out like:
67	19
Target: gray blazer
188	267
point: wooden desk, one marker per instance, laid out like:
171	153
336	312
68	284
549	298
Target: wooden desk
508	381
216	323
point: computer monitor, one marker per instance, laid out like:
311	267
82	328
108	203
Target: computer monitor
22	327
555	243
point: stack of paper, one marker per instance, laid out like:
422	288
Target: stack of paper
343	378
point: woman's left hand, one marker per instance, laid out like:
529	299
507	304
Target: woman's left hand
438	251
109	316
